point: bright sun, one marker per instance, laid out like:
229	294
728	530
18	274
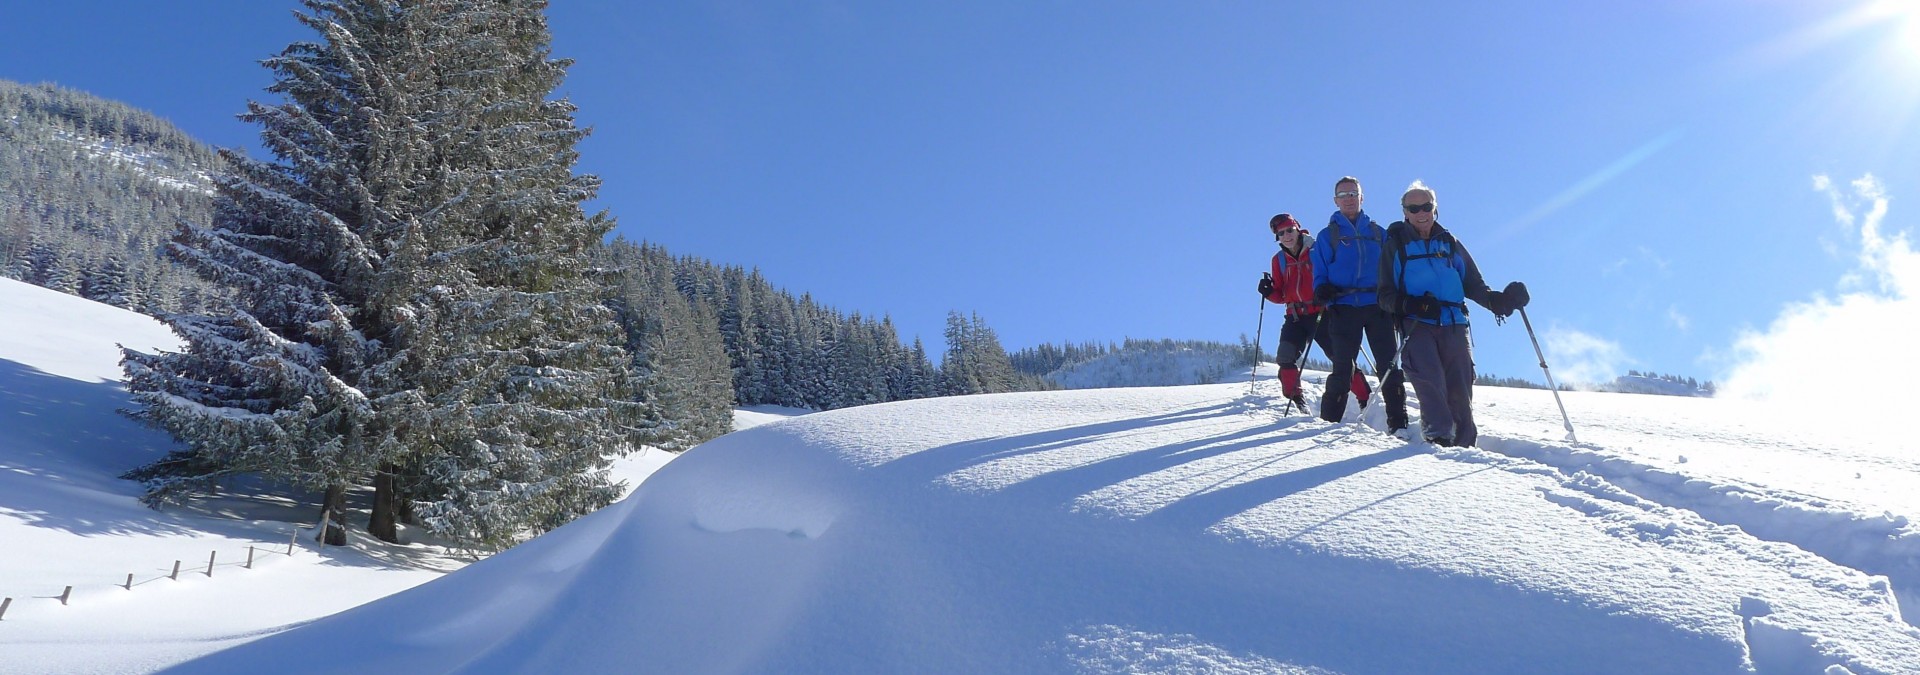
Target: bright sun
1907	14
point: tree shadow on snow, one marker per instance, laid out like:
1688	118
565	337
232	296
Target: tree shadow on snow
63	446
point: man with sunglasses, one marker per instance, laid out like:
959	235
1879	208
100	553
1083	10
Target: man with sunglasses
1346	273
1291	284
1426	277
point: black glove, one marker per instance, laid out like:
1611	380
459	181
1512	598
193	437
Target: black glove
1325	293
1500	303
1266	286
1516	296
1425	307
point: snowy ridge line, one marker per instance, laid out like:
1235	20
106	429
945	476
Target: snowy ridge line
186	568
1884	544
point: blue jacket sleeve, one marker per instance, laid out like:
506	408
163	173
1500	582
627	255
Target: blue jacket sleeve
1319	256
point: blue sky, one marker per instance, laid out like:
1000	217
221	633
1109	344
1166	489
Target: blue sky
1095	170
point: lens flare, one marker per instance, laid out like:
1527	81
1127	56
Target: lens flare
1907	34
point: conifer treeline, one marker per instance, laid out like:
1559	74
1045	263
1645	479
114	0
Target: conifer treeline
89	189
1048	358
710	336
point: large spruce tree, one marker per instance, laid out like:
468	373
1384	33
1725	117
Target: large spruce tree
416	309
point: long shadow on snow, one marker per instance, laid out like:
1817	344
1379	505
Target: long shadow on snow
1353	615
1067	484
939	461
68	445
1201	510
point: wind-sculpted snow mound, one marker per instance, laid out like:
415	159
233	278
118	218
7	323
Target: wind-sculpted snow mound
1185	529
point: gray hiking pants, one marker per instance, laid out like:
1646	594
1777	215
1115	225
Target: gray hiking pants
1439	364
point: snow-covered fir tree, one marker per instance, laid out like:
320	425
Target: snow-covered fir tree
274	385
416	308
524	391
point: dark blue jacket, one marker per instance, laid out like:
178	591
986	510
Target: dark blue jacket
1411	267
1348	256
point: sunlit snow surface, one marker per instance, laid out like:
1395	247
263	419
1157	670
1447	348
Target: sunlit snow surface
1191	529
1178	529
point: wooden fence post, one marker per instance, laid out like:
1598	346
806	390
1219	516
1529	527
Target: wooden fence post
210	557
129	581
292	539
64	595
176	571
249	564
326	520
3	607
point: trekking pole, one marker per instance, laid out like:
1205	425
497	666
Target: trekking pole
1399	353
1253	372
1304	353
1543	368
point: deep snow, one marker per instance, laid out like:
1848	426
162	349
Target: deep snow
1176	529
67	520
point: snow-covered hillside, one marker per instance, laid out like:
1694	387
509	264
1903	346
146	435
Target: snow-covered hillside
1195	529
1641	384
1151	364
1171	529
66	519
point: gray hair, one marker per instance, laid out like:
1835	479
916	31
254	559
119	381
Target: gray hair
1419	187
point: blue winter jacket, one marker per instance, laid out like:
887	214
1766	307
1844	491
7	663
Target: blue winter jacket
1348	256
1412	267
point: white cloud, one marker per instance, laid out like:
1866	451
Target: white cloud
1680	321
1581	358
1849	351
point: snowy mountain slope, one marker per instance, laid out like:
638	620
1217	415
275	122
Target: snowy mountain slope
66	519
1150	364
1173	529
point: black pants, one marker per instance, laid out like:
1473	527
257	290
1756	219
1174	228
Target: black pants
1346	325
1293	337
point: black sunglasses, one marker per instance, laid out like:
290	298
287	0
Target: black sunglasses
1418	208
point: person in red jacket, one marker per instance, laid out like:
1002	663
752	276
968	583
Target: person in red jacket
1291	284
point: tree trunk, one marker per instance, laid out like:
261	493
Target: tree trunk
383	524
403	505
334	506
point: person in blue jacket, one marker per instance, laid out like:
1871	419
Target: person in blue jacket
1426	277
1346	273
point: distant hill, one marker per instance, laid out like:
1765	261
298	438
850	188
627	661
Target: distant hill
1139	363
1655	384
89	191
